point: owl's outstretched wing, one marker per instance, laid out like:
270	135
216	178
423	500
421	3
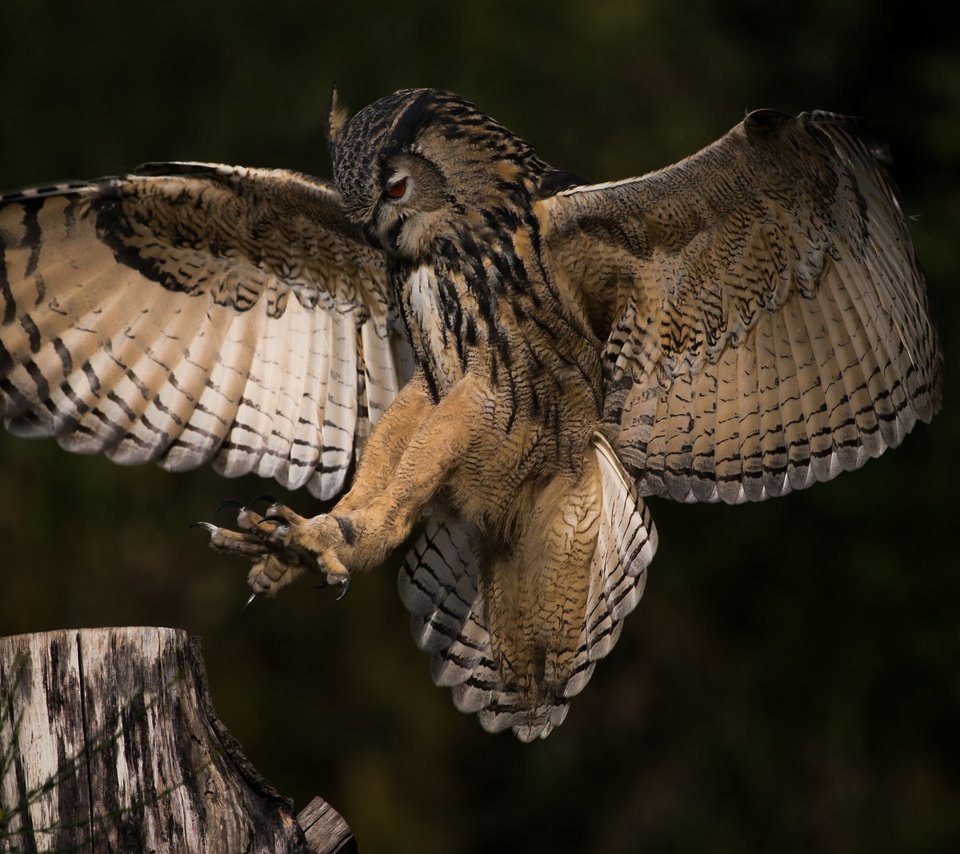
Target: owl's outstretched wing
193	312
765	319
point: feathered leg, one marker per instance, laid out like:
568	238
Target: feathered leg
409	453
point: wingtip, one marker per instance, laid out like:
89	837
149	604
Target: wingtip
43	191
167	168
765	123
857	129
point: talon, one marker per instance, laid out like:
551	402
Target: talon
282	546
268	498
235	542
239	505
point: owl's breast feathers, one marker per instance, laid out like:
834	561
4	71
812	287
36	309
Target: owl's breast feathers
489	307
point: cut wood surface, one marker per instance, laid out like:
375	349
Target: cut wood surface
109	742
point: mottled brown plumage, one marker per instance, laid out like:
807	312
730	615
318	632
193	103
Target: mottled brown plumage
532	353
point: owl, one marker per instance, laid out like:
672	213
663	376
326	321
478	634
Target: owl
490	362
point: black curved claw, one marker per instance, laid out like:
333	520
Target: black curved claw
268	498
280	520
250	600
346	587
206	525
239	505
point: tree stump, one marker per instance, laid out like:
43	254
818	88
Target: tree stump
109	742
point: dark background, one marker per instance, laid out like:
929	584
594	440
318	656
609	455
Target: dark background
791	679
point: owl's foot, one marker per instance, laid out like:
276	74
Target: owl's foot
283	546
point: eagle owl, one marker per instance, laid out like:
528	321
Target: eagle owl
497	360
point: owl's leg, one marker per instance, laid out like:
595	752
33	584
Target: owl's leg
379	512
408	455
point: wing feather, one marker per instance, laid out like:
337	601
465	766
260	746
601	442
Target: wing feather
751	453
765	318
727	444
773	445
194	312
807	441
831	420
706	400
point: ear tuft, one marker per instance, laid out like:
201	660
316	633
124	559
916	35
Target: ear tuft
337	117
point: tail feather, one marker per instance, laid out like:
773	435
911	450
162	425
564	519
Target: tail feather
441	587
626	544
438	583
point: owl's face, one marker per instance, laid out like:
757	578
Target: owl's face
418	165
408	205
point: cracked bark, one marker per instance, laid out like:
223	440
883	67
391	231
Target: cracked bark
109	742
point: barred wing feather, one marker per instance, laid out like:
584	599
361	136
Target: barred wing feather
765	318
195	312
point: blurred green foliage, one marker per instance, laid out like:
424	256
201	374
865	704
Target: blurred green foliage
791	679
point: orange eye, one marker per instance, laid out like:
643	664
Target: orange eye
397	189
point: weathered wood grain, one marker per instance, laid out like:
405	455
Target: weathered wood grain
109	742
325	829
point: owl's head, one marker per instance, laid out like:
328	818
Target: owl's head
422	165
